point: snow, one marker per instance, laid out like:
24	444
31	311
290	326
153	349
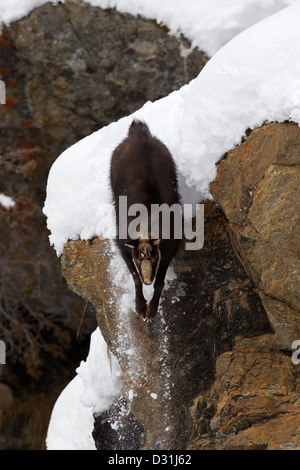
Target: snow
69	417
242	86
6	201
250	79
92	390
13	10
208	24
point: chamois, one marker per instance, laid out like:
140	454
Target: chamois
143	170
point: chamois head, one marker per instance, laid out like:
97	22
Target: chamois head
146	257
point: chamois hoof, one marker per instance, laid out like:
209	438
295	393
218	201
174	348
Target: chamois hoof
147	320
140	311
150	313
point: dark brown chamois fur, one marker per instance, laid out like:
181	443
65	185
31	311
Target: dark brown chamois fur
143	169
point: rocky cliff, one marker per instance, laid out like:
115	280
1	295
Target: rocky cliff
214	369
85	67
256	389
69	69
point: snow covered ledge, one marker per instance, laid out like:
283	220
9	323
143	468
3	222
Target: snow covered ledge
252	80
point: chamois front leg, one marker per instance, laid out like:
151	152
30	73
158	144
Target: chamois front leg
140	302
159	283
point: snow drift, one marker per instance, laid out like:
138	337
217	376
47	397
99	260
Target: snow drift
208	24
252	80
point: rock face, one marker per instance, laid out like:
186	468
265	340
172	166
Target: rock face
256	389
170	361
66	68
88	66
214	369
254	402
257	187
69	69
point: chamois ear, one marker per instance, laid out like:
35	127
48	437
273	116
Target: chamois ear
156	242
132	243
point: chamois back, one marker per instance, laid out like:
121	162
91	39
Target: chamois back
143	169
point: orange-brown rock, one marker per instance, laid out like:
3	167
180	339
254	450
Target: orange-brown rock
257	186
256	400
214	369
166	363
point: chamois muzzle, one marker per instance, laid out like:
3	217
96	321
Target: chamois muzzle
147	272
